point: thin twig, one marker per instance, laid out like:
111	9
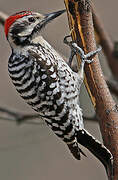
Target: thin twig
3	17
19	117
93	118
28	118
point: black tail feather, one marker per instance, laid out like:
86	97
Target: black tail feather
97	149
75	150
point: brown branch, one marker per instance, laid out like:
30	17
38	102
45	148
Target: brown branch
106	43
80	21
3	17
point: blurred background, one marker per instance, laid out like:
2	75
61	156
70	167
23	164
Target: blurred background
31	152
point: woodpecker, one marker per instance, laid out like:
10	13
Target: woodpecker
47	83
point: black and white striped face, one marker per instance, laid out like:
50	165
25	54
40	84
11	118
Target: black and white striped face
22	27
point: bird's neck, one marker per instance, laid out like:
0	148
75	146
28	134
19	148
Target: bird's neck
34	44
39	40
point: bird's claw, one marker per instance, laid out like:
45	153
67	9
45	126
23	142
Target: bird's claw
76	49
66	41
88	60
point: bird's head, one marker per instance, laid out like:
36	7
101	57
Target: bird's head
22	27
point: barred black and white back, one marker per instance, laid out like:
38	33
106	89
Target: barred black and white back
48	84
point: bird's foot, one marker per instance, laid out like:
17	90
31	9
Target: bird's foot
76	49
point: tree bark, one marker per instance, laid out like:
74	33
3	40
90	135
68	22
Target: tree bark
81	25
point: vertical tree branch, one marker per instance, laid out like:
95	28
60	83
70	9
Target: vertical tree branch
106	44
80	21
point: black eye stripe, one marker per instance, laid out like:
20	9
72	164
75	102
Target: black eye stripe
18	28
31	19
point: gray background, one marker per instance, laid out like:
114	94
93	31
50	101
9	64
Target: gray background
31	152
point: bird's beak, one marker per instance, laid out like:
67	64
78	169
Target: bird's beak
51	16
46	18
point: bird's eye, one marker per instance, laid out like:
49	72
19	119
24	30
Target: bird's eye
31	19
